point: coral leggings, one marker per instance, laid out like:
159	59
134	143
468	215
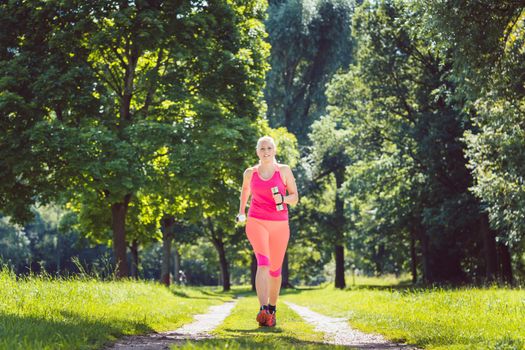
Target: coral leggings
269	239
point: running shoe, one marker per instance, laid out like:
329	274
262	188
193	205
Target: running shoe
262	317
271	320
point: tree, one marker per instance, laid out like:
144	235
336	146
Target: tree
328	161
310	41
142	89
405	129
486	39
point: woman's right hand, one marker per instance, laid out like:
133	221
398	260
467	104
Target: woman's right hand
241	217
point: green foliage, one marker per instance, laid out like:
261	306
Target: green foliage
310	40
49	243
136	104
408	177
487	39
14	246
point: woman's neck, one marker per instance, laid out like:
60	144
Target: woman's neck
267	164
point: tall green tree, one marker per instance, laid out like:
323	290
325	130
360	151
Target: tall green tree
310	40
406	141
328	161
33	83
486	40
148	72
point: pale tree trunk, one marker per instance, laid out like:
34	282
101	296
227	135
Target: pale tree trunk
176	265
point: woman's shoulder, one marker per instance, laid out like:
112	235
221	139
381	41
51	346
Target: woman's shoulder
284	167
249	171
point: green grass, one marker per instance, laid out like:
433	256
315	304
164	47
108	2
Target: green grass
383	281
44	313
466	318
241	331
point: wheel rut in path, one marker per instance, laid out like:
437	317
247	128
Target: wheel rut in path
199	329
338	332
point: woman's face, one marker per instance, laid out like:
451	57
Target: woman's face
266	151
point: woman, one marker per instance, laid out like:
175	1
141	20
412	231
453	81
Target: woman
267	224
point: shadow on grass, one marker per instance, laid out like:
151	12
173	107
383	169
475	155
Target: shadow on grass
257	330
299	290
217	295
71	331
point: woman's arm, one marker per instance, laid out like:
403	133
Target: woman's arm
245	190
293	197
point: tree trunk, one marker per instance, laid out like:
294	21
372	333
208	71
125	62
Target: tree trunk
340	267
413	257
339	231
253	271
506	263
378	257
285	282
225	272
176	265
217	240
134	248
168	223
118	225
425	256
489	248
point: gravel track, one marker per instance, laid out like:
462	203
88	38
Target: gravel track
197	330
338	332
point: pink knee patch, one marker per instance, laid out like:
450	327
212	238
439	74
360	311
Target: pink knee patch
262	260
275	273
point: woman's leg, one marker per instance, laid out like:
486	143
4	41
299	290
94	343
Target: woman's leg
258	236
261	284
279	236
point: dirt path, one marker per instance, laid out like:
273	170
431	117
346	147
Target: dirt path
338	332
199	329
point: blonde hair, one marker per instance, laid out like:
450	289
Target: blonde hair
267	139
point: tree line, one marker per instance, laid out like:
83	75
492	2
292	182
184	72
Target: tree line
423	136
403	121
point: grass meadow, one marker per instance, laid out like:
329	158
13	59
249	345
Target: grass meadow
84	313
432	318
47	313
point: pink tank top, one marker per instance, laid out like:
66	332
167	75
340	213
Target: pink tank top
262	205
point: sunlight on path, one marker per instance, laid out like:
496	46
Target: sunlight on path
199	329
337	331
